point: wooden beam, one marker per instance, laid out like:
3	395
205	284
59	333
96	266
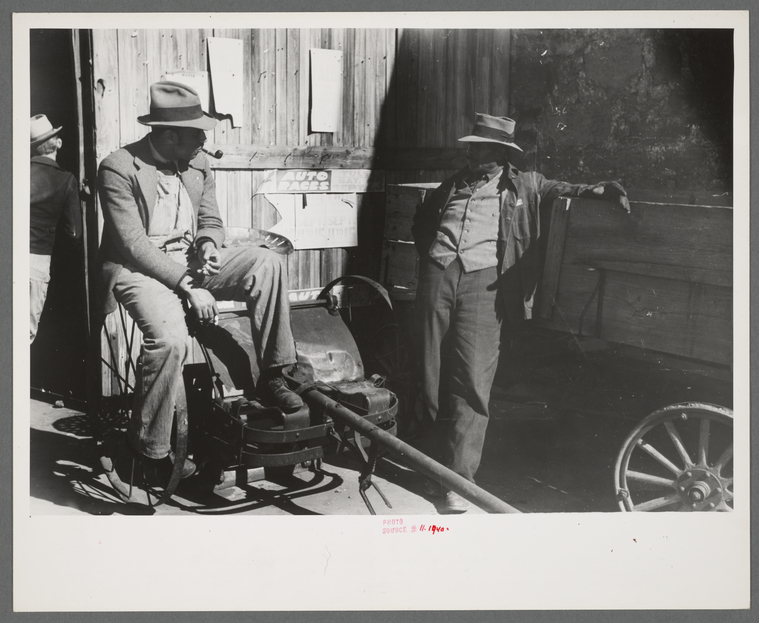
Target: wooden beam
336	157
679	273
557	236
671	235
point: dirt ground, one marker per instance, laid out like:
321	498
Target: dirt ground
557	426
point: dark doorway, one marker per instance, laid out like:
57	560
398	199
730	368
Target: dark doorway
58	352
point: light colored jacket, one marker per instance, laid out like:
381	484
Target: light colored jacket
127	187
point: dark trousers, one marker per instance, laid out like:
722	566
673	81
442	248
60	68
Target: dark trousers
459	329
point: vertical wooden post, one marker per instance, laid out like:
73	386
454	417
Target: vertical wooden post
557	236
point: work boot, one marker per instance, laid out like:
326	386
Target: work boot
275	392
161	469
433	489
454	503
188	469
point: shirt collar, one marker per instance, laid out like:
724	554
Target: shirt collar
469	177
491	175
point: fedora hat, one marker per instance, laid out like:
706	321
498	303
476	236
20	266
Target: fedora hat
489	129
41	130
176	105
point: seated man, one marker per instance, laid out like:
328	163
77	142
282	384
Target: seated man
162	246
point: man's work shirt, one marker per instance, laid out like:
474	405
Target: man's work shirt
172	226
468	227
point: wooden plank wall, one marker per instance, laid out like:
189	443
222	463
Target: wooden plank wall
408	96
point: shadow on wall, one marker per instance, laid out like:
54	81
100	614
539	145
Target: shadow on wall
58	352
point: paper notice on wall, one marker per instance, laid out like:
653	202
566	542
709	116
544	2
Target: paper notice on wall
326	221
326	90
197	80
287	206
226	64
323	181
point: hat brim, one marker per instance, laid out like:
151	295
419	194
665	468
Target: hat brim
206	122
479	139
45	137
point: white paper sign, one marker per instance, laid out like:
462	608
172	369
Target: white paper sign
322	181
326	221
286	205
225	60
326	90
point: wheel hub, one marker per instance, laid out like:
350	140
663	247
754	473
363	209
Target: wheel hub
700	489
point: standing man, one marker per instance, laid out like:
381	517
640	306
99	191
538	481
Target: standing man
54	197
162	247
477	237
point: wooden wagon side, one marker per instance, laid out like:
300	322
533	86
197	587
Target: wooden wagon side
659	278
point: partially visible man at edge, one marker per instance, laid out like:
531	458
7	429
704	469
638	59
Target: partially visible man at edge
477	236
54	199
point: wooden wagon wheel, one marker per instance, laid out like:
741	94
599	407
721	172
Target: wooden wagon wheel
109	415
679	458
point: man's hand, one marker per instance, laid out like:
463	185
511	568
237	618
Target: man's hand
208	256
612	191
200	300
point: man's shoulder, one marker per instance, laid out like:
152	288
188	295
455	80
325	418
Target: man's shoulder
526	177
118	159
44	167
446	184
124	156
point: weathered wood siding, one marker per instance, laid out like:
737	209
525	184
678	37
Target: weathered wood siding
408	96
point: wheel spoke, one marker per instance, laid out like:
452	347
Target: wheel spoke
663	502
722	461
703	441
660	457
728	489
678	443
124	385
130	353
650	479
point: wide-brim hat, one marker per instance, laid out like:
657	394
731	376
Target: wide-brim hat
41	130
176	105
489	129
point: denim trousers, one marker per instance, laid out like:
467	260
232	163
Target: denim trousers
39	279
459	327
253	275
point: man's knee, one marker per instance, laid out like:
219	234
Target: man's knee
171	337
270	262
264	267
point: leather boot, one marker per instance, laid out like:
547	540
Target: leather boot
274	391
